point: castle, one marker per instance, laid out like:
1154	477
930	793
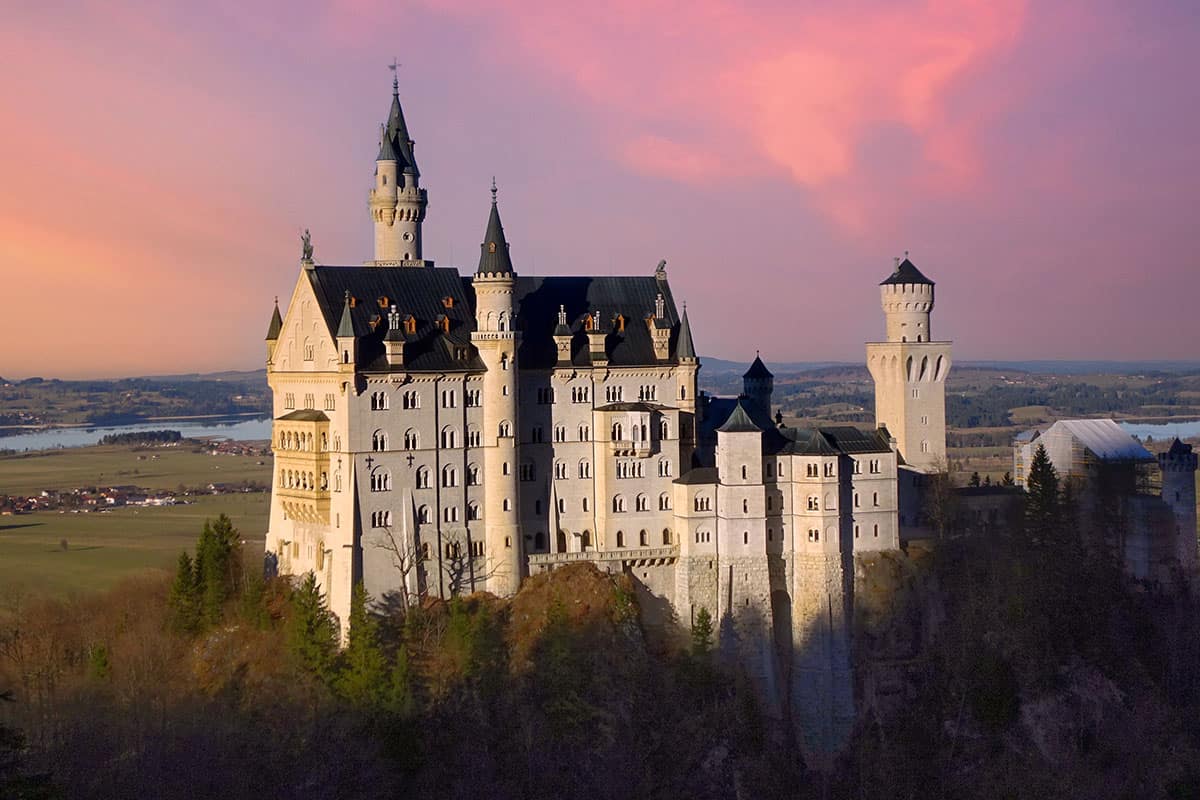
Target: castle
436	434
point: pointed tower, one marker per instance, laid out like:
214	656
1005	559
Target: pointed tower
909	370
497	342
689	369
758	384
273	332
397	202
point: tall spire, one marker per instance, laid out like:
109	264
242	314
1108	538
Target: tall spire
685	349
276	323
395	143
493	255
346	326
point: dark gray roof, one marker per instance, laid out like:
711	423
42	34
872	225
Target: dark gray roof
305	415
758	370
852	440
396	135
686	348
419	292
828	441
276	324
493	253
387	151
739	422
346	324
906	272
632	297
1178	448
698	475
634	406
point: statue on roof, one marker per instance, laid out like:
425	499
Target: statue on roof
306	247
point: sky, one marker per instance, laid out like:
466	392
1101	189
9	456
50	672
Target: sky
1039	161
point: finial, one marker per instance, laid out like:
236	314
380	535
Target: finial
562	315
493	190
347	295
395	68
905	255
277	301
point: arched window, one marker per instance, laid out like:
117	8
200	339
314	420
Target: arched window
666	539
423	515
875	499
449	476
472	475
664	430
423	478
643	538
664	501
743	472
641	502
412	440
379	441
472	511
620	538
585	468
449	438
560	470
619	504
617	431
505	429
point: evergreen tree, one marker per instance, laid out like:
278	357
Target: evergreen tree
184	615
1043	506
254	600
987	480
1007	480
312	632
974	479
218	567
702	633
363	675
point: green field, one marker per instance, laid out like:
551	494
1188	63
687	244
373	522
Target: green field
105	547
149	468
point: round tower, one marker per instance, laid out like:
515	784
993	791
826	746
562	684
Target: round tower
907	300
758	384
909	370
497	341
397	201
1178	467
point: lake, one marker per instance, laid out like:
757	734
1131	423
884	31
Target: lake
241	428
1163	430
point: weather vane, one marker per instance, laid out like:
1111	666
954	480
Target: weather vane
493	189
395	68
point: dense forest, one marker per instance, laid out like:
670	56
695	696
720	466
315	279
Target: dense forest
1022	664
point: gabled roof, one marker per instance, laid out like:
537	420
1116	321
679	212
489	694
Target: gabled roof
758	370
906	272
276	323
417	292
830	441
739	422
698	475
493	252
536	301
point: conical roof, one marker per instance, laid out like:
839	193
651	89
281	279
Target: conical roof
758	370
1178	448
906	272
739	422
686	348
276	324
346	326
493	253
396	144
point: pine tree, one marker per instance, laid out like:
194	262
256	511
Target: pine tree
974	479
184	616
363	675
312	632
1043	506
1007	480
702	632
218	567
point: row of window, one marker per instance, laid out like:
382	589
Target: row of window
640	503
296	479
310	401
644	538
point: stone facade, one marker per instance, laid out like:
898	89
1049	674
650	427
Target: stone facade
437	434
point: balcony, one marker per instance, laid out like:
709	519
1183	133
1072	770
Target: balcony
629	448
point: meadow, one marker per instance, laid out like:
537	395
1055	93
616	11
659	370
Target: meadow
104	547
115	465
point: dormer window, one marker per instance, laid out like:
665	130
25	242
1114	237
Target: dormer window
448	302
491	247
384	302
410	324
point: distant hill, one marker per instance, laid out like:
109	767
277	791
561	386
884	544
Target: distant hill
715	366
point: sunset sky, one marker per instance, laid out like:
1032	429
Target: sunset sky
1041	161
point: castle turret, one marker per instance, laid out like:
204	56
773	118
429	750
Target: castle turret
497	341
909	370
273	331
397	202
757	385
1178	466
